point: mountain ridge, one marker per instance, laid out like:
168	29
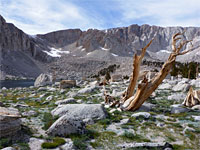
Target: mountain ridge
26	55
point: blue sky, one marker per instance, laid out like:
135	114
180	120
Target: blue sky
42	16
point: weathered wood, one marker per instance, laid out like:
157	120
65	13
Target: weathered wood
146	88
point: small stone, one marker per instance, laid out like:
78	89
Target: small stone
160	124
35	144
4	88
124	121
68	145
196	107
113	110
49	98
144	114
86	90
79	101
52	89
106	106
66	101
196	118
176	110
42	89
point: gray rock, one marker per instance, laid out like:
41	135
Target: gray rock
4	88
195	83
66	101
42	89
196	118
8	148
49	98
67	84
10	121
68	145
146	107
43	80
177	96
81	111
165	86
66	125
35	144
143	114
148	145
71	94
175	109
86	90
196	107
51	89
181	86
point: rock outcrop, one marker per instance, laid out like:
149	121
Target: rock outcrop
26	55
66	125
42	80
81	111
10	121
67	84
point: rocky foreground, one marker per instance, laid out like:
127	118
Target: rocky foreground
76	118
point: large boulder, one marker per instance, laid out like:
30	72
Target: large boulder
177	96
43	80
10	121
195	83
87	90
181	86
67	84
81	111
116	78
66	125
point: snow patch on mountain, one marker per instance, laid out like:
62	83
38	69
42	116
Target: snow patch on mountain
114	54
105	49
56	52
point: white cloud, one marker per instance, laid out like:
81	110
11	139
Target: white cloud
163	13
41	16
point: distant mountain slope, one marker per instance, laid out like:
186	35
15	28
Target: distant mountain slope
25	55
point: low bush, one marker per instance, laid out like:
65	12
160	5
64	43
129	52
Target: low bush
57	141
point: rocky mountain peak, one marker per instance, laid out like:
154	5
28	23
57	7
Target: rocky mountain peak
2	20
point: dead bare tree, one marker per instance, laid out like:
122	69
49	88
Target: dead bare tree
192	98
133	101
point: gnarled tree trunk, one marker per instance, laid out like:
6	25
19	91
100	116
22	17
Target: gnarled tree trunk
133	101
192	98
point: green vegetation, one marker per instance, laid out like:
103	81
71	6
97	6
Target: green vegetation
134	137
80	140
187	70
55	142
48	120
106	71
4	142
